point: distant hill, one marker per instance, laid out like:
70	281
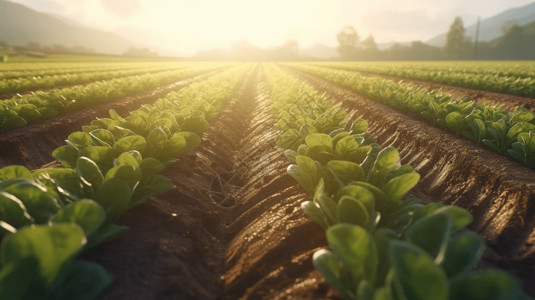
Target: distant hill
20	25
491	28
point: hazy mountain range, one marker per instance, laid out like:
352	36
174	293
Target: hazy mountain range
20	25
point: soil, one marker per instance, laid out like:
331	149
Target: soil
499	192
509	102
232	227
32	145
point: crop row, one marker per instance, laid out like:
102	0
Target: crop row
66	68
382	245
29	108
508	133
519	82
20	85
51	216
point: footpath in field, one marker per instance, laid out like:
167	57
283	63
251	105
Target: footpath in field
231	228
32	145
496	190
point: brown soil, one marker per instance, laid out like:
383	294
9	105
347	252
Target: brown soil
231	228
32	145
499	192
509	102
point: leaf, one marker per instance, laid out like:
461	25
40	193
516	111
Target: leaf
52	246
397	187
15	171
79	139
307	129
330	268
319	142
40	203
359	126
157	137
346	171
387	159
416	273
89	172
105	234
133	142
356	249
192	140
305	172
67	155
151	165
455	122
13	211
174	146
82	280
315	213
485	285
352	211
17	277
290	139
114	195
126	173
431	233
150	185
463	253
86	213
103	137
460	216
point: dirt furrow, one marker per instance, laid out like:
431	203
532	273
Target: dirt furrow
32	145
231	228
499	192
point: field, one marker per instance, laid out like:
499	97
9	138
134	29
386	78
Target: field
293	180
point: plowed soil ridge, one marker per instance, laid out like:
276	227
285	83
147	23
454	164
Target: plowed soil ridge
231	228
499	192
32	145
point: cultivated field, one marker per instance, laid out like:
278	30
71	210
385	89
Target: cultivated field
301	180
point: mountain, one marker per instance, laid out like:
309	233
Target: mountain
491	28
20	25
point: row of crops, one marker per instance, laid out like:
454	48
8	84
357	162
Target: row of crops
41	105
503	77
382	245
508	133
51	216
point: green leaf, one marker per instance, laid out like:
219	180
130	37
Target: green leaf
315	213
359	193
431	233
192	140
359	126
387	159
105	234
86	213
103	137
151	166
307	129
463	253
416	273
17	277
487	285
150	185
67	155
52	246
40	203
290	139
89	172
114	195
174	146
346	171
126	173
330	268
319	142
356	249
305	172
82	280
13	211
397	187
79	139
455	122
15	171
157	137
102	155
352	211
133	142
460	216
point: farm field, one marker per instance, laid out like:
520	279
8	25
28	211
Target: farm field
218	180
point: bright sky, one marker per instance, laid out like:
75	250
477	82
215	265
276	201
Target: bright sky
186	26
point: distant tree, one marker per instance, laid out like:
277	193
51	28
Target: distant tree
139	52
33	46
369	44
347	42
457	44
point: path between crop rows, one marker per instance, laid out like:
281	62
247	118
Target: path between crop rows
499	192
32	145
231	228
479	96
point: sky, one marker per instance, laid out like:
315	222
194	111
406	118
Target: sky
183	27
